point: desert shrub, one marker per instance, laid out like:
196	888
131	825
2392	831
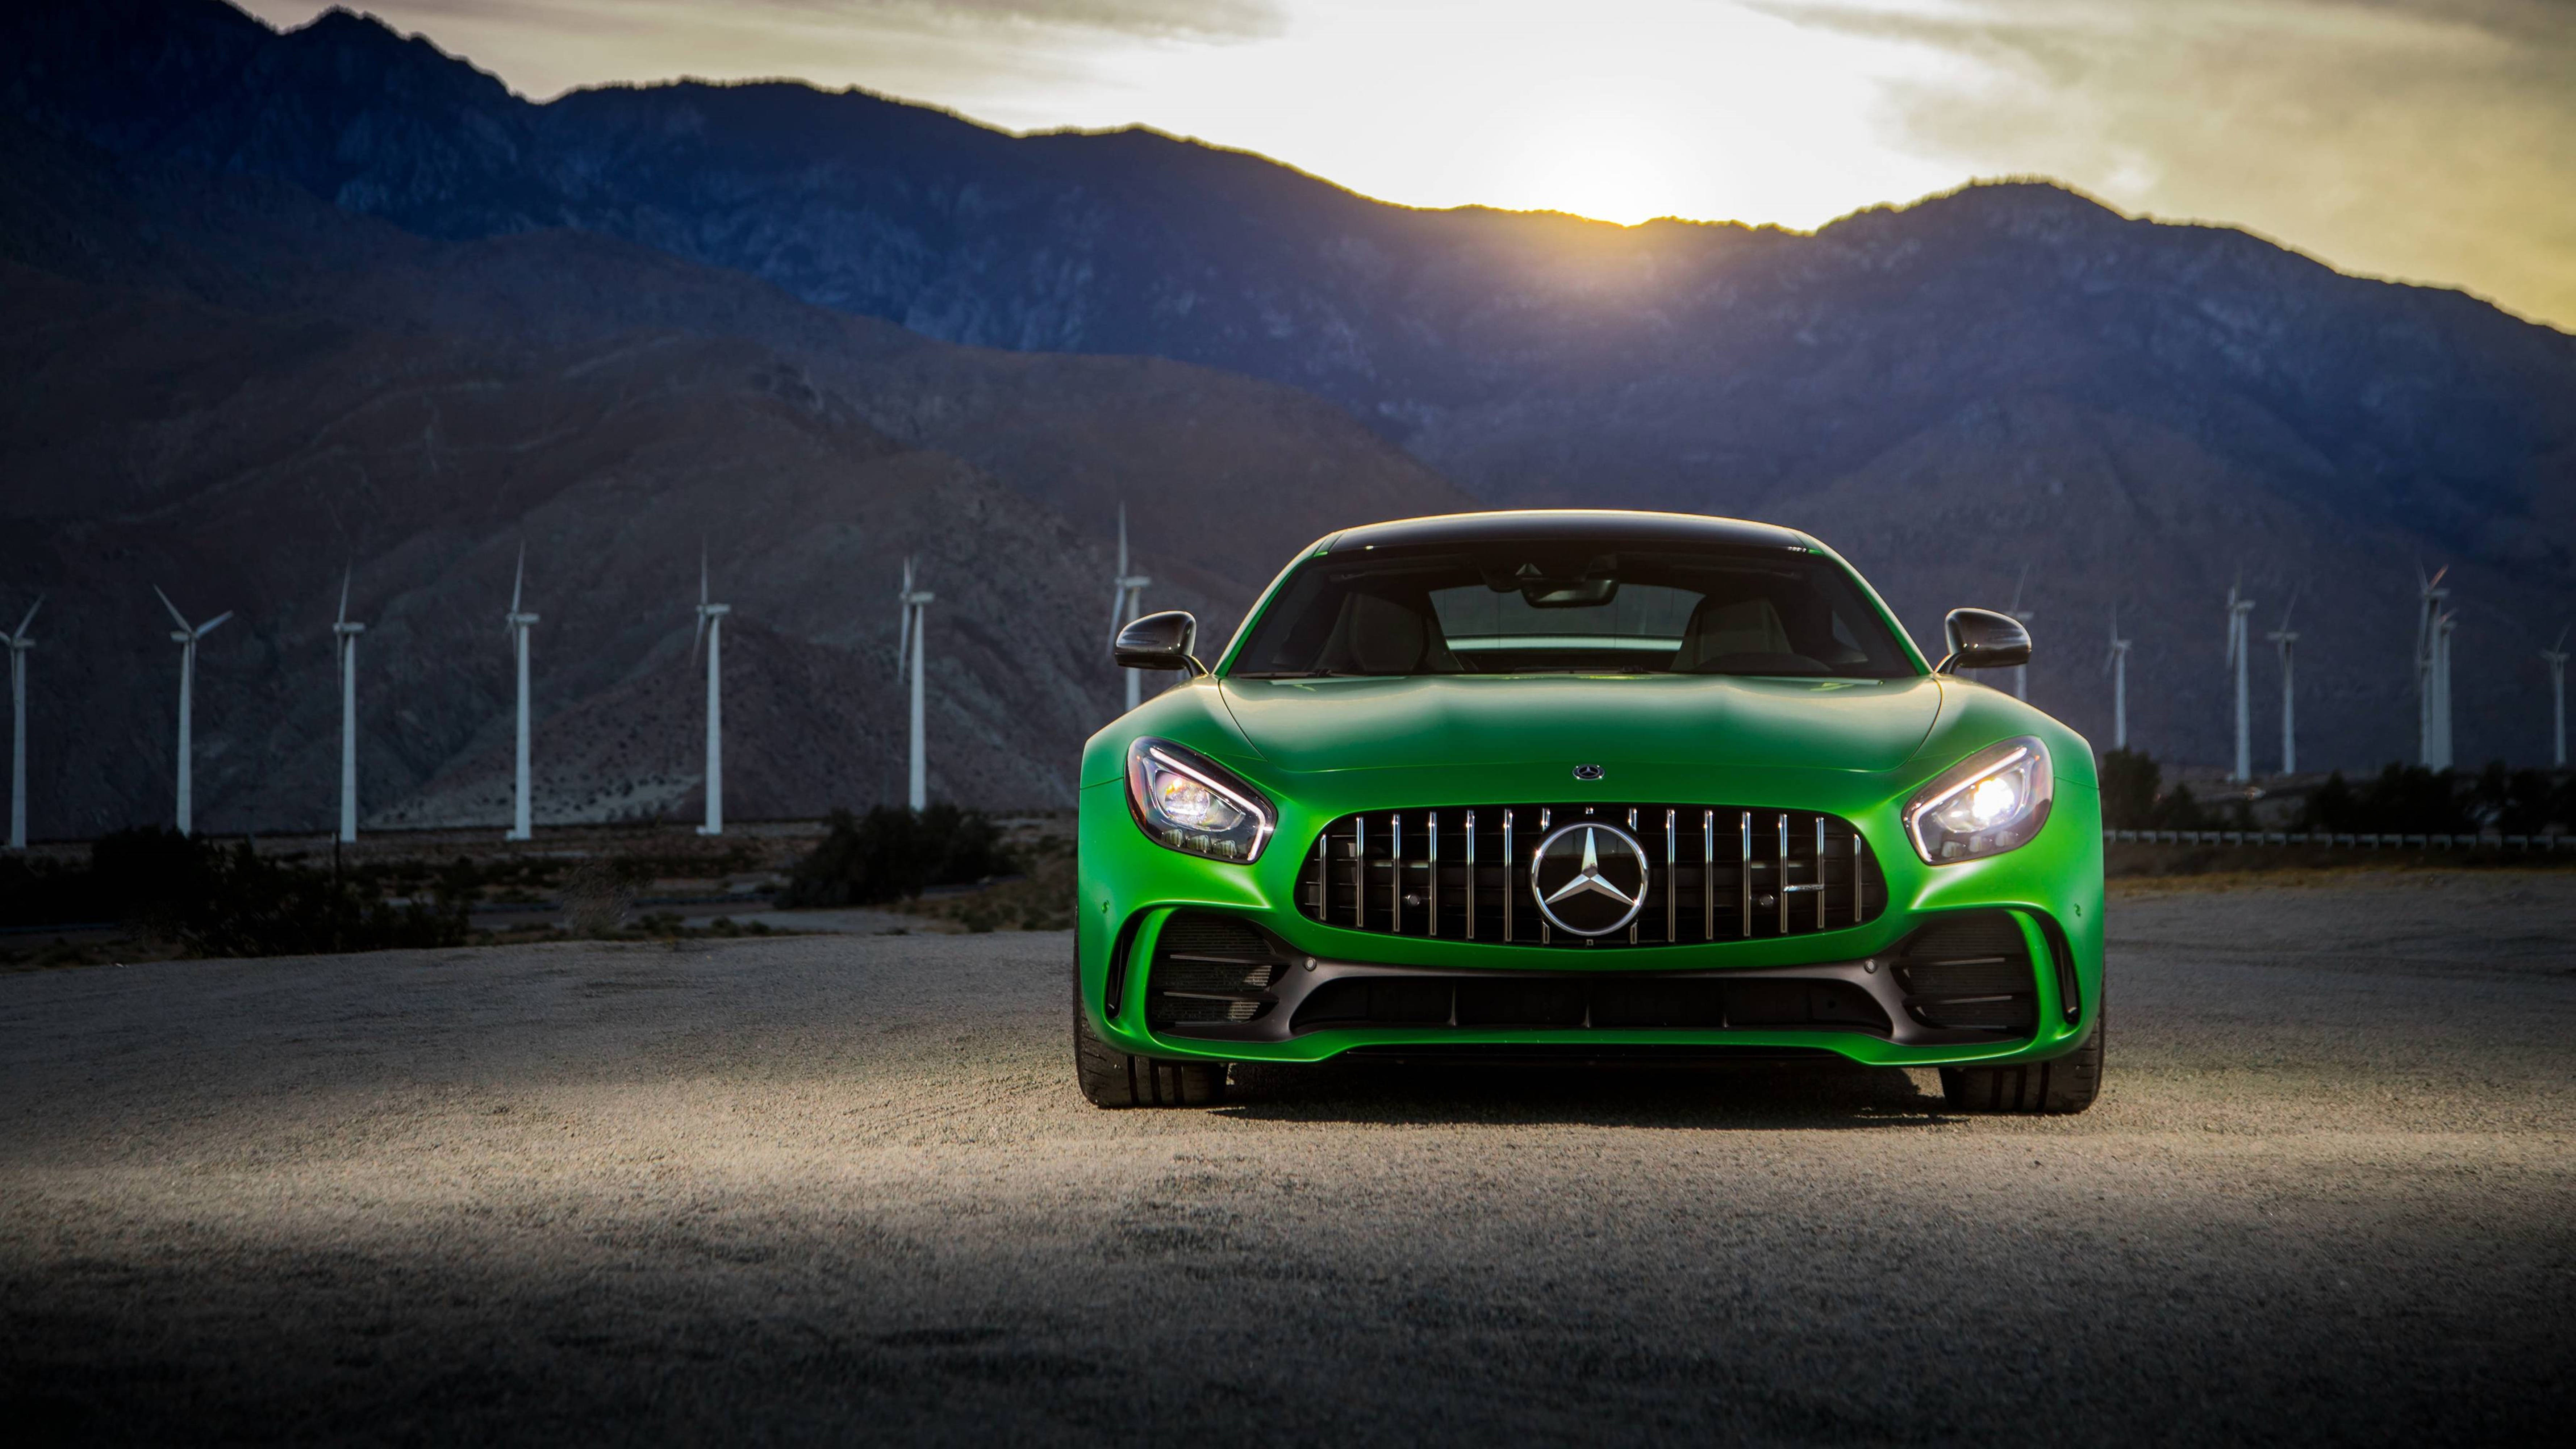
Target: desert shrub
2333	806
214	900
2133	795
597	896
2403	799
892	854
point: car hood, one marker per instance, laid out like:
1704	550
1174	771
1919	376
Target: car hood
1419	722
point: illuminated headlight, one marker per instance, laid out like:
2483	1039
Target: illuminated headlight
1190	803
1993	801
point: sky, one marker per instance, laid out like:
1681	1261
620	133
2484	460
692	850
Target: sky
2425	140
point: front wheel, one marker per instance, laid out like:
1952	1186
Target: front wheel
2066	1084
1112	1078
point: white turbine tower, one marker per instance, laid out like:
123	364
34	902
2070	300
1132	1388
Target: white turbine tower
2286	642
711	633
1126	601
2555	655
2021	672
2116	664
19	644
186	637
2238	649
2442	628
517	622
345	634
912	646
2432	672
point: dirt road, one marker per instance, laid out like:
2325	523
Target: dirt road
842	1188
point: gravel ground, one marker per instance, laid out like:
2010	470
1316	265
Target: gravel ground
842	1187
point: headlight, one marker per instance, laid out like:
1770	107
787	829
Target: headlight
1190	803
1991	802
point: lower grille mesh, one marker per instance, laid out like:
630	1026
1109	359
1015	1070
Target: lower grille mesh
1597	1002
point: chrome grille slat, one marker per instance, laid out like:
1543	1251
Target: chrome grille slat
1395	873
1471	875
1744	874
1476	881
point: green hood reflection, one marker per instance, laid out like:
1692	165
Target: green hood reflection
1468	720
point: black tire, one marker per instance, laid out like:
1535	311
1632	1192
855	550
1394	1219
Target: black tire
1112	1078
2065	1084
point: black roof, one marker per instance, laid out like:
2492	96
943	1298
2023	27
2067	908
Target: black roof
1608	525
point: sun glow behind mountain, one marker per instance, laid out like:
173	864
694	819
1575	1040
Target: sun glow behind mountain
2421	139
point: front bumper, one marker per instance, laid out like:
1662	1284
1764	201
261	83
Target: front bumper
2051	888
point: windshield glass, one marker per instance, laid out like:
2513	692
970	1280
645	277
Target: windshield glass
1565	607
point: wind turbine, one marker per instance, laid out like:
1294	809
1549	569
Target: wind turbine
2432	672
2116	664
186	637
711	632
516	622
2285	641
1126	600
2555	654
913	646
2238	649
19	644
2021	672
345	634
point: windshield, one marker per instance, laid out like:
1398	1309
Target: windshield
1564	607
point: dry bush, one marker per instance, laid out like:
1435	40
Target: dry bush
598	895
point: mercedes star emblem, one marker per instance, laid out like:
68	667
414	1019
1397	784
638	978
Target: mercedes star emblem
1576	891
1587	772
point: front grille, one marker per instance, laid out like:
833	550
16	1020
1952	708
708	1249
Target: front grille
1592	1002
1714	873
1210	968
1970	973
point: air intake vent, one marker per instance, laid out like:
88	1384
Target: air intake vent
1970	973
1712	873
1210	968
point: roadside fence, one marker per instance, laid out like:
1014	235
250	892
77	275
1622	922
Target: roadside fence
2485	841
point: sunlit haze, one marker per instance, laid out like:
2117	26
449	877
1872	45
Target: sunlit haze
2428	140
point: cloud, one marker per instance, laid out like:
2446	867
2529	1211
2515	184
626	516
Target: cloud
1218	20
2422	139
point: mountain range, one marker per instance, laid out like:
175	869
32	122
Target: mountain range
335	289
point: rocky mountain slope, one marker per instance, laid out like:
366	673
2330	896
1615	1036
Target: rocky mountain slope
225	387
2011	386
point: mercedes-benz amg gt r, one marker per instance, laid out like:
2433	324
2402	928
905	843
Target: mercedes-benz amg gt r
1605	786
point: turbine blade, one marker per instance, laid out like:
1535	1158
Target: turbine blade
702	575
343	616
698	636
40	603
518	577
173	608
1122	540
208	627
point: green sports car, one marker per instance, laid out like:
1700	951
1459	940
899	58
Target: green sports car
1592	785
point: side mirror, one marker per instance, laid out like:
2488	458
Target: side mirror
1983	639
1159	641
